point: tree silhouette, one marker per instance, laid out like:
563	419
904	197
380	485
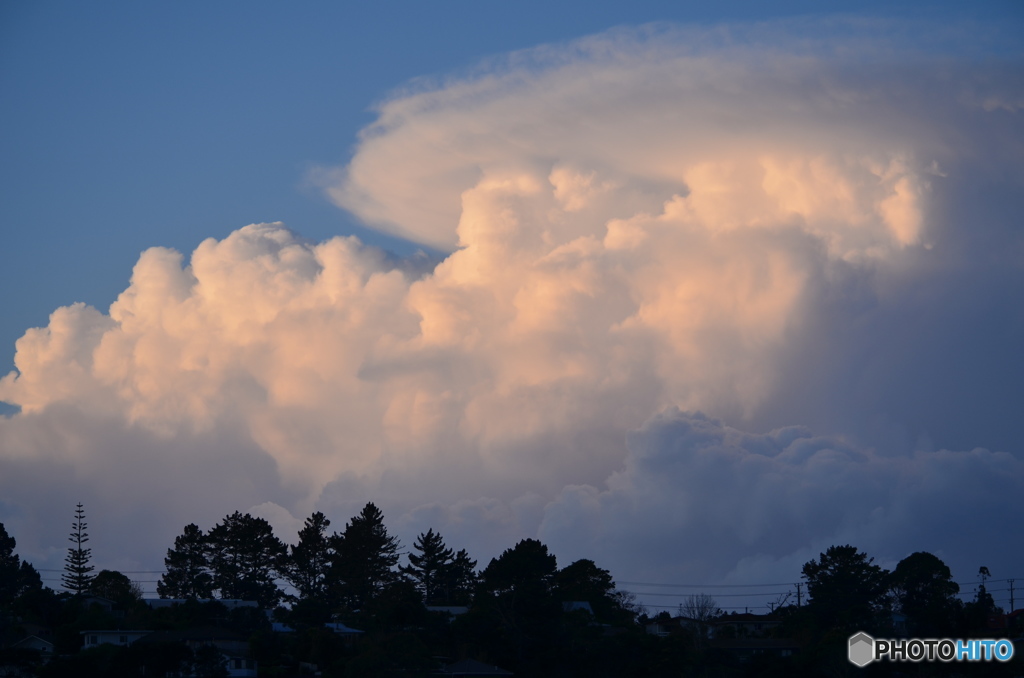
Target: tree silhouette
308	564
847	591
246	558
429	568
583	580
702	610
924	590
17	577
527	566
515	597
77	577
459	579
115	586
188	567
10	568
364	558
978	611
984	598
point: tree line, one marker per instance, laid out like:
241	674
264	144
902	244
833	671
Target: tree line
241	558
520	610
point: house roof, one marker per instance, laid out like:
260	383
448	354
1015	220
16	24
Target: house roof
755	643
204	634
230	603
120	632
472	667
678	620
453	610
338	627
89	600
746	617
30	641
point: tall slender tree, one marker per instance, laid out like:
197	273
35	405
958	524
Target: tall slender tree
307	565
77	576
364	559
188	567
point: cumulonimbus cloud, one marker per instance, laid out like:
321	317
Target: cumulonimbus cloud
635	222
767	503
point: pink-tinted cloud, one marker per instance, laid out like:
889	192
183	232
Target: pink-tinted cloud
636	222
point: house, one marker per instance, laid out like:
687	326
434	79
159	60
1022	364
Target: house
110	607
451	610
342	630
745	649
24	658
663	625
744	625
575	605
898	620
40	645
104	604
1015	622
239	666
123	638
233	647
36	644
230	603
471	668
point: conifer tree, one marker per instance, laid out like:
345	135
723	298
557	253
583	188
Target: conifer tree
309	561
428	569
363	559
188	567
459	579
77	577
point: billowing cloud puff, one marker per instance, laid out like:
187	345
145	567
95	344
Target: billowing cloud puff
620	124
755	507
635	222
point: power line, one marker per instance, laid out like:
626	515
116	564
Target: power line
45	569
705	586
720	595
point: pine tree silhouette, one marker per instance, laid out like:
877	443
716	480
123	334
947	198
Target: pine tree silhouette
77	577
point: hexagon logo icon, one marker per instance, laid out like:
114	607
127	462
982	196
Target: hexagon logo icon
862	649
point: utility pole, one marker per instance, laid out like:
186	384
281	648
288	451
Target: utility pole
778	602
1011	594
799	597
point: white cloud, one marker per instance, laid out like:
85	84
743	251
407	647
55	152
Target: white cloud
636	222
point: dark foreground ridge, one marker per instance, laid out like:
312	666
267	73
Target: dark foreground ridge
235	601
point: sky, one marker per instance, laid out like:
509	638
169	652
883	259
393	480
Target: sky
694	292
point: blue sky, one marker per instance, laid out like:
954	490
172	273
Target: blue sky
742	273
128	126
